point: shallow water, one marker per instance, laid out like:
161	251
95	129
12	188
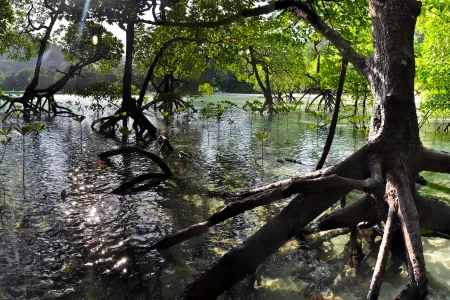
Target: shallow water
94	245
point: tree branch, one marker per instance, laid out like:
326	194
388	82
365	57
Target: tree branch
353	166
245	13
150	73
304	11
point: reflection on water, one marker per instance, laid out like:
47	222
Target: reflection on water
90	244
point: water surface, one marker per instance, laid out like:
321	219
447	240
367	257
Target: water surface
94	245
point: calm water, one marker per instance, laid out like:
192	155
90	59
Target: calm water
94	245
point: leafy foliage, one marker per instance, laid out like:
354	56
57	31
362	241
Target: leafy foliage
433	63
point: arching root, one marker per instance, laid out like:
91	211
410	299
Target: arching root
156	177
129	150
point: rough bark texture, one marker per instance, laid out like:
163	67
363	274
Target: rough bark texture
385	169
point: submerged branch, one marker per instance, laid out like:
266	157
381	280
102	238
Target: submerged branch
157	177
129	150
303	186
244	260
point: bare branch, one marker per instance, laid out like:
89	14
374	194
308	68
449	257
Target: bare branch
156	177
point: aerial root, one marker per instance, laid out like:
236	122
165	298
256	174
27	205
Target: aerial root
140	121
366	209
434	214
400	197
155	177
244	260
435	161
129	150
29	108
315	239
356	254
304	186
101	120
352	167
380	267
165	144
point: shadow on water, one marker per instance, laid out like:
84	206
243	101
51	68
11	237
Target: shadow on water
91	244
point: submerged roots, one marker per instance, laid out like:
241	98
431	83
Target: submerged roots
390	197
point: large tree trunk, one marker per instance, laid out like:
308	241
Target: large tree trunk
390	162
394	129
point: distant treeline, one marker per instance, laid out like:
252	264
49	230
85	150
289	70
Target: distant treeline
15	76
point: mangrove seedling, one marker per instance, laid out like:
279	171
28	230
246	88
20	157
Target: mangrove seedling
23	131
229	106
220	109
5	141
207	114
261	136
80	119
252	107
230	122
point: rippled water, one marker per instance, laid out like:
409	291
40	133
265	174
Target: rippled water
94	245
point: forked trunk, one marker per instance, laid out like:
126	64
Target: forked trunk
394	129
385	168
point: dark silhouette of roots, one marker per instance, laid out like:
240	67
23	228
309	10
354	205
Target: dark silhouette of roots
390	196
154	178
